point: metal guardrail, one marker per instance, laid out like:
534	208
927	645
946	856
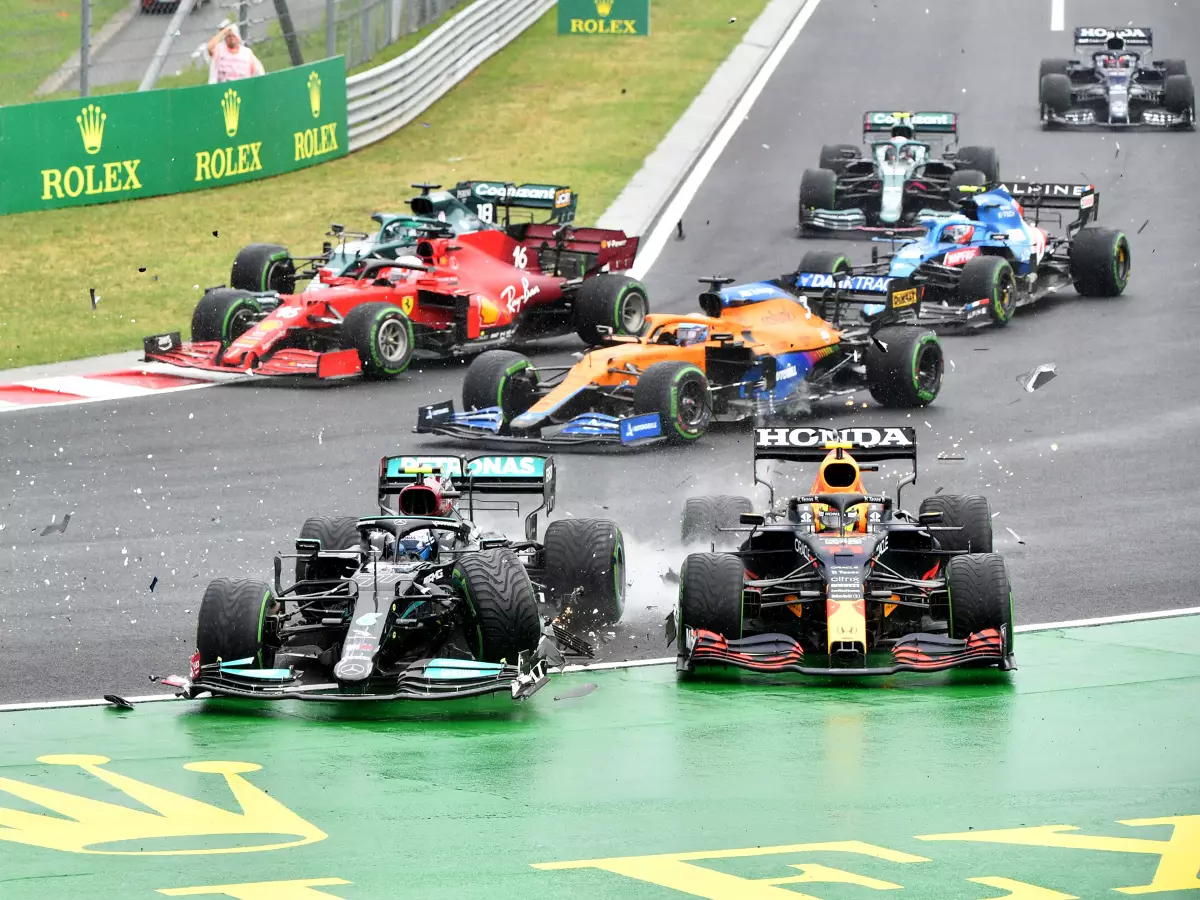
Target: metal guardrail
384	99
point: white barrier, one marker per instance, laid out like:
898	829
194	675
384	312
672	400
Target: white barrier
388	97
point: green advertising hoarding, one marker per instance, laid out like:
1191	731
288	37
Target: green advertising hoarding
123	146
604	17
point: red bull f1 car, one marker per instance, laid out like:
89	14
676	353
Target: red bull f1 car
445	295
843	582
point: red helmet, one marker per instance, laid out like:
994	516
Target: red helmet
958	234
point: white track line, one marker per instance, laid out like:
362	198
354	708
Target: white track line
1057	14
18	407
653	245
662	660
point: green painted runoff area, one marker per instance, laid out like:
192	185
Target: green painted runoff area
1076	776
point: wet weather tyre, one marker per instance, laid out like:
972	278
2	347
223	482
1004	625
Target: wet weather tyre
264	267
231	621
500	378
586	555
965	178
678	392
990	277
710	594
818	190
980	596
1100	262
610	300
908	374
1179	94
223	315
1053	67
703	517
835	156
1174	67
333	533
503	613
969	513
383	337
828	262
1055	93
981	159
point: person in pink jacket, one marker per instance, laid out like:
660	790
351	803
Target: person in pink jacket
231	59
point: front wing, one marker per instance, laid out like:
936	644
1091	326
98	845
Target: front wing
851	222
169	349
427	679
768	653
587	428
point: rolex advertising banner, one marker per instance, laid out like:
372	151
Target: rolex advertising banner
597	17
123	146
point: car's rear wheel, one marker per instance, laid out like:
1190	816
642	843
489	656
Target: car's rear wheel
232	619
835	156
503	618
908	373
264	267
383	337
224	314
1055	93
586	555
982	159
1179	94
704	517
678	392
711	589
980	596
1100	262
610	300
969	513
333	533
990	278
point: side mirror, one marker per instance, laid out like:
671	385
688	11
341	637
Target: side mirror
336	228
326	248
752	519
531	527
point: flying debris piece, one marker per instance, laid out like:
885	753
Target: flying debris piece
880	344
141	268
95	298
1038	377
1014	534
1143	228
670	576
732	19
214	234
575	646
582	691
670	627
118	702
153	583
939	490
52	528
945	455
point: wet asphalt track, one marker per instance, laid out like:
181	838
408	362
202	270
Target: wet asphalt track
190	486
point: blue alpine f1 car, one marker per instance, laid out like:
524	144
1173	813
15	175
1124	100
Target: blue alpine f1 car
977	265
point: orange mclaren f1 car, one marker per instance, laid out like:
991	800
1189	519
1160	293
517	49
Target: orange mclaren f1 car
842	582
758	350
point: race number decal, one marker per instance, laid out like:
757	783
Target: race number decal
520	257
487	212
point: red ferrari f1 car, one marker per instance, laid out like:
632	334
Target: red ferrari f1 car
451	295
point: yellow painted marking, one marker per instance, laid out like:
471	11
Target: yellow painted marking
261	890
1019	890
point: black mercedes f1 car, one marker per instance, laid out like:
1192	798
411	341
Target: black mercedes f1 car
1119	87
839	581
418	603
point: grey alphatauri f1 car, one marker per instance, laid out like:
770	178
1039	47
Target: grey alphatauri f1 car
840	581
1119	87
418	603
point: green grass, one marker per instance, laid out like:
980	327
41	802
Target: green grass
39	36
569	110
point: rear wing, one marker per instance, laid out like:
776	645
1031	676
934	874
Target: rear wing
474	476
602	247
478	195
881	121
811	444
899	296
1121	37
1083	197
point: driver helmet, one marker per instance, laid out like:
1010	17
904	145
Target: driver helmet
839	475
907	151
687	334
400	274
958	233
420	545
